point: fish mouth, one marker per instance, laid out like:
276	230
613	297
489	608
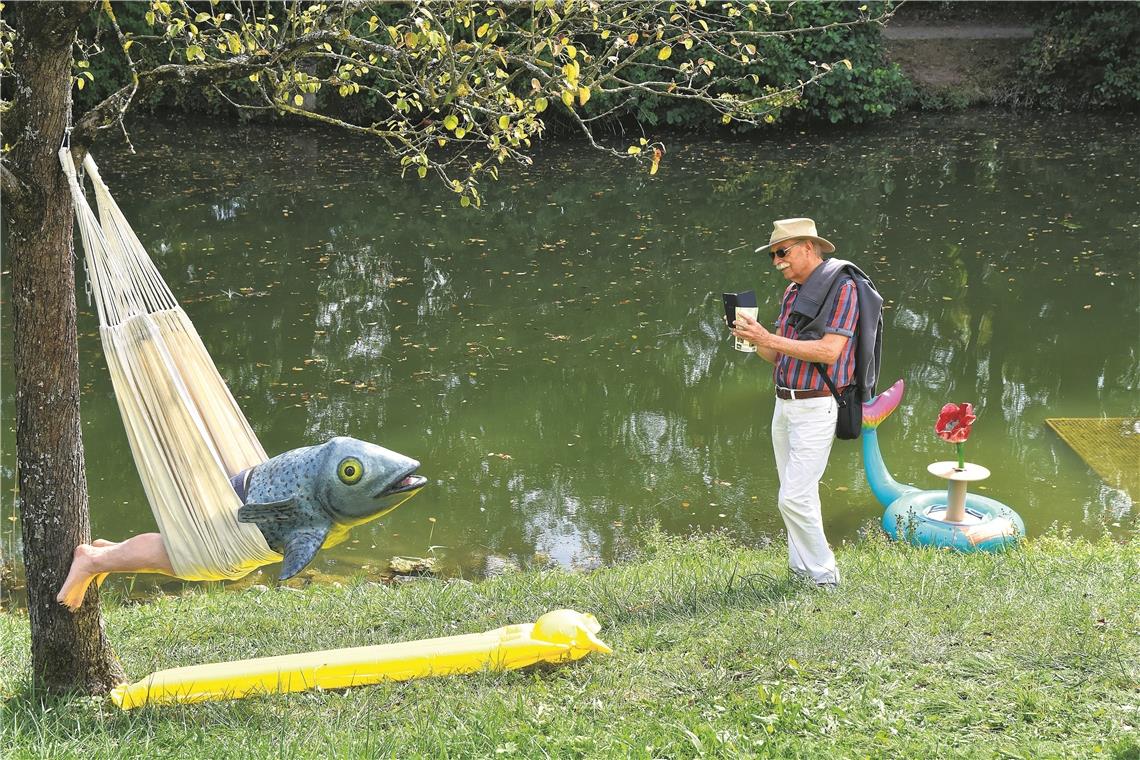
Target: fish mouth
409	481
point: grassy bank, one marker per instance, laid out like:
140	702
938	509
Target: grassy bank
918	654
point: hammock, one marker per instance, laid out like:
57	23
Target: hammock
186	432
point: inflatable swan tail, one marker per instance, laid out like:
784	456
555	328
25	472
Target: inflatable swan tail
876	410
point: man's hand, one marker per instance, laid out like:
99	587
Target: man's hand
752	331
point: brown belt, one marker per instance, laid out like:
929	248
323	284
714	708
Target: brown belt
788	394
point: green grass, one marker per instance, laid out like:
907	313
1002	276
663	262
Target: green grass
1035	653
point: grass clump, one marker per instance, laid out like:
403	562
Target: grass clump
920	653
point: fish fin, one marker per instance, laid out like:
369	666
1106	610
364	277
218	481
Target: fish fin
300	548
880	407
268	512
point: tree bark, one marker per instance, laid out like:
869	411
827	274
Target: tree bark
69	651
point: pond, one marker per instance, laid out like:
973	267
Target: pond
558	361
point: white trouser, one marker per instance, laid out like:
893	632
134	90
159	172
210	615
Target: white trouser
802	433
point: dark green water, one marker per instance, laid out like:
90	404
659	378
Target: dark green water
557	360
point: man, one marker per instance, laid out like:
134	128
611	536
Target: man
817	323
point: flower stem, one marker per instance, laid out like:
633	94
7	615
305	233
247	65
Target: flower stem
961	456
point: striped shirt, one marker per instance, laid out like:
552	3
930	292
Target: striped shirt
800	375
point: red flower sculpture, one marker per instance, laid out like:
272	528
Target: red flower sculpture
953	426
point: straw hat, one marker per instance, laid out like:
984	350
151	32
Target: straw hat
791	229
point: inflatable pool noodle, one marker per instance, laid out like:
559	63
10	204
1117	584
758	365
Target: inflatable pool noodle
556	637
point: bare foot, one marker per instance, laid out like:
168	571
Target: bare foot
101	542
80	576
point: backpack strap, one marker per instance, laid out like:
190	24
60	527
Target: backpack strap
831	386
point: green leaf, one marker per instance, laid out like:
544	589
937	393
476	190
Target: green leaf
451	121
540	105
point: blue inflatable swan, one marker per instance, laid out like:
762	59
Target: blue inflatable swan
913	514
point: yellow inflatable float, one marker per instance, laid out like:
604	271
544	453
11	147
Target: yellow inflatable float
558	636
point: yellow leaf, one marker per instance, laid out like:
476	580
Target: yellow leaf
583	95
664	53
459	133
846	63
571	51
633	150
299	100
570	70
540	105
422	171
535	85
451	121
504	121
79	82
568	98
482	30
632	39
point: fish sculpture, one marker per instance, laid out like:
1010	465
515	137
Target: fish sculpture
913	514
309	498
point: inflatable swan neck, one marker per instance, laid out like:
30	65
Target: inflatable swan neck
885	488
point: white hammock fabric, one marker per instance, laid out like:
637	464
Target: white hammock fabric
187	434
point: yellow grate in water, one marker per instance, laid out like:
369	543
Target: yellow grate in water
1110	445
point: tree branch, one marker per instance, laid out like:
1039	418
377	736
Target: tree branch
113	108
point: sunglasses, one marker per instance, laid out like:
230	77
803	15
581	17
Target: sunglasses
782	252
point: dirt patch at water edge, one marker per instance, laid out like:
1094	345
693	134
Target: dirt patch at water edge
972	64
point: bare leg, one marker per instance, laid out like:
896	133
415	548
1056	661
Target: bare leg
144	553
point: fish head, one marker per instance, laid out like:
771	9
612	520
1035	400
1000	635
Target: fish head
360	481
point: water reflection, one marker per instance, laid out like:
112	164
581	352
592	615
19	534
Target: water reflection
558	360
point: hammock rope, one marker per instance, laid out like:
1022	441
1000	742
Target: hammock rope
186	431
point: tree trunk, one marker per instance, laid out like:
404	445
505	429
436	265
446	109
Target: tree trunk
69	651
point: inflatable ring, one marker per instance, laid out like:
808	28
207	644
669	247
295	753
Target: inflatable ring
916	518
914	515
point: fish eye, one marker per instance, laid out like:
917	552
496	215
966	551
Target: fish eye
350	471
